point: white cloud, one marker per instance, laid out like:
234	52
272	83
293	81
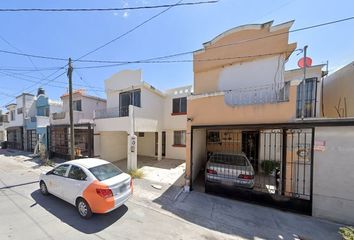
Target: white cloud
125	14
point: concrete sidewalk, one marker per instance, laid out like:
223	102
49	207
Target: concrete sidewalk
234	218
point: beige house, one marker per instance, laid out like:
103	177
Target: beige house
245	102
338	89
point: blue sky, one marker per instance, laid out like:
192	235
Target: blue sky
180	29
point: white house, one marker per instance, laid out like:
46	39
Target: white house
83	111
140	120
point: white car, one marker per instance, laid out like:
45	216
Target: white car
92	185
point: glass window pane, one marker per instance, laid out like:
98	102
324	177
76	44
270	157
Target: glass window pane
77	173
175	105
184	105
61	170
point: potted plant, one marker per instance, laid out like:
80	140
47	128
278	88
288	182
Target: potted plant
269	166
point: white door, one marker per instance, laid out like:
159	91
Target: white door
56	178
74	184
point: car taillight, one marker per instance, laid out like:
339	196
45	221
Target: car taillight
244	176
131	185
211	171
105	193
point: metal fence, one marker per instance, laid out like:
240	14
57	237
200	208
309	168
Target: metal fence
270	93
277	165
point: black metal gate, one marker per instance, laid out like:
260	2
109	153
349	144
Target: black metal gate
31	140
59	141
281	160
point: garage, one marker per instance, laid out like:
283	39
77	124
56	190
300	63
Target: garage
270	165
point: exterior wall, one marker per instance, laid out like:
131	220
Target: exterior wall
146	144
88	104
199	151
213	111
333	178
174	152
338	93
113	146
119	82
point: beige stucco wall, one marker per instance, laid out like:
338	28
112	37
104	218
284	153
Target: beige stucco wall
113	146
213	111
333	178
339	93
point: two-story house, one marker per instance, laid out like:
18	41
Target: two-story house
244	102
84	106
140	120
18	113
37	121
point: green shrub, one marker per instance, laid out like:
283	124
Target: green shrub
347	233
269	165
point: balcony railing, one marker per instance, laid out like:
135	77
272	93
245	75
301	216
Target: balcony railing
112	112
59	115
271	93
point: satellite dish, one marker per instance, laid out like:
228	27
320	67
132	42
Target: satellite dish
301	63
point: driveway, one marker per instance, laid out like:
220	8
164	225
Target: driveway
151	213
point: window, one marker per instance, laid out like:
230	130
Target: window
179	138
309	104
105	171
77	173
60	170
214	137
141	134
19	110
12	115
179	106
129	98
77	105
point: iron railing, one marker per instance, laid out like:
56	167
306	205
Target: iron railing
59	115
270	93
112	112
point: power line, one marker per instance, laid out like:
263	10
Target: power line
103	9
130	30
182	53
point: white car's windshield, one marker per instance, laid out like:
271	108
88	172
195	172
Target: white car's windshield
105	171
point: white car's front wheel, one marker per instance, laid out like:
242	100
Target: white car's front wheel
43	187
83	208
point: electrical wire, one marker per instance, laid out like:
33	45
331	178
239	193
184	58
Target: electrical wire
103	9
181	53
129	31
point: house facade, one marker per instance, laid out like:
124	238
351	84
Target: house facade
19	112
3	122
84	106
245	102
140	120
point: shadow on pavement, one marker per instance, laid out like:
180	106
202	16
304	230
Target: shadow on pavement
67	213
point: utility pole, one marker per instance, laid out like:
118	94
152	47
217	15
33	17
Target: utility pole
303	86
71	113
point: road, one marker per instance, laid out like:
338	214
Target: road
26	214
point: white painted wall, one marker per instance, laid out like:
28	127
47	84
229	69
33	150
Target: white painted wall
199	151
146	144
253	73
113	146
333	178
171	151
